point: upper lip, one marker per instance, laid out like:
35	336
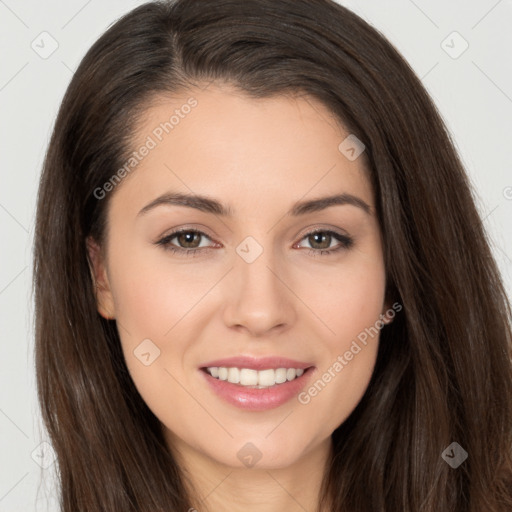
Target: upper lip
261	363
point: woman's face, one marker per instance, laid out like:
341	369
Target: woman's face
258	284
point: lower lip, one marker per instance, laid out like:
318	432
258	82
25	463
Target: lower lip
258	399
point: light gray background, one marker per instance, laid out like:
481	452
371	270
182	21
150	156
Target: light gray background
473	93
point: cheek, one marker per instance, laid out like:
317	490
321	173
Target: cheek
149	298
350	307
149	302
350	299
158	302
348	362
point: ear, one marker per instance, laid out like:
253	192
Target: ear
102	291
386	318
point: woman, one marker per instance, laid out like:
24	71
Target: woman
192	352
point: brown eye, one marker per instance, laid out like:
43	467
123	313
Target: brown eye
188	239
321	240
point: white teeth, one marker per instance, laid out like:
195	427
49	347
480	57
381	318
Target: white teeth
266	378
281	375
234	375
254	378
248	377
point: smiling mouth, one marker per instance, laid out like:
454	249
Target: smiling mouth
255	379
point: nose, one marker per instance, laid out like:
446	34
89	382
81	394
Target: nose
260	300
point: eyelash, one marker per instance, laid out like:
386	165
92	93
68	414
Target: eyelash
346	242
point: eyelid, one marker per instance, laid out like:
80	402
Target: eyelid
314	228
186	229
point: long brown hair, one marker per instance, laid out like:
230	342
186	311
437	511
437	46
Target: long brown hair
443	371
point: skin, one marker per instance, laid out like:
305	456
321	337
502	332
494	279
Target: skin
259	157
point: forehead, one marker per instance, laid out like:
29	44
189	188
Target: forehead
220	141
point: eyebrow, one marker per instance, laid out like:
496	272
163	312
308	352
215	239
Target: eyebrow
210	205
